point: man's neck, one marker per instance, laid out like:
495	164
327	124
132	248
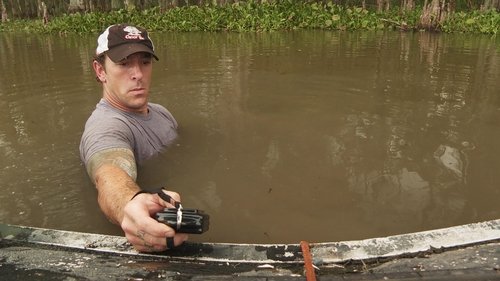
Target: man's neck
141	111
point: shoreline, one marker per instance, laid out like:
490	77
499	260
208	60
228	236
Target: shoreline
264	17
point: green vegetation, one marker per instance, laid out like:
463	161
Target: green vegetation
473	22
263	16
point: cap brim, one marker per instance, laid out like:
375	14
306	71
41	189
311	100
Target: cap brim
121	52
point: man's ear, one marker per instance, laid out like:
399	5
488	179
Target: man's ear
99	70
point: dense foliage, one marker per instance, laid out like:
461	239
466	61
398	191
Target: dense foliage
263	16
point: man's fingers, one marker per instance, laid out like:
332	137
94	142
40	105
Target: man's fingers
174	195
149	242
180	238
144	242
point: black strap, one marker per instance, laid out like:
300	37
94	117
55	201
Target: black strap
170	243
162	195
168	198
138	192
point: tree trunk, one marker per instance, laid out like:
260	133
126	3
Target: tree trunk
163	5
383	5
76	5
491	4
452	6
407	5
470	4
129	4
13	10
174	3
88	6
486	5
4	12
116	4
45	14
39	8
102	6
434	14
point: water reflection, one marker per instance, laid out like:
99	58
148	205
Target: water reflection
321	136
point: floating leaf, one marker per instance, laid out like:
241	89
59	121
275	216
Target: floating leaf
470	21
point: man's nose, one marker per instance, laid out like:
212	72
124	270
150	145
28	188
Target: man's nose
136	71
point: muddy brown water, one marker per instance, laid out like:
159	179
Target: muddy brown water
284	136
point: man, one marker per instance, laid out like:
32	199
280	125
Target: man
125	130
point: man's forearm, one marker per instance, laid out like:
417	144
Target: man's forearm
114	172
115	189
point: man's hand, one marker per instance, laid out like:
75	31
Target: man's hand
143	231
113	172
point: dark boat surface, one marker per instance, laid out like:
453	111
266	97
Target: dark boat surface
466	252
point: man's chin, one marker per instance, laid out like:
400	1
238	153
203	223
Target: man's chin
138	105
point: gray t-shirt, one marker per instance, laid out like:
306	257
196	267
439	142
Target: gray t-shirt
146	136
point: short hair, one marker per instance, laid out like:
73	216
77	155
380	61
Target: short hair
100	59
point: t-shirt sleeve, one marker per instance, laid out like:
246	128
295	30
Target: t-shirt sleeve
98	136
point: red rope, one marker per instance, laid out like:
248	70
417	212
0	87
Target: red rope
308	265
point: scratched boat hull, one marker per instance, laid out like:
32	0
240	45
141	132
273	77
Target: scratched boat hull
411	244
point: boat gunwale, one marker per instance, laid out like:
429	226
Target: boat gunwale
324	253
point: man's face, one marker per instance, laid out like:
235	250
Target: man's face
126	83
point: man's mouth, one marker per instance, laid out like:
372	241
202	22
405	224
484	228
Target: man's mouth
137	90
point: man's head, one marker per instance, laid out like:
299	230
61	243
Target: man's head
123	64
121	40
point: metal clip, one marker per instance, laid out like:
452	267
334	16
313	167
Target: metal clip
179	217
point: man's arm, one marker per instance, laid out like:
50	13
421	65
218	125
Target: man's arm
113	172
122	158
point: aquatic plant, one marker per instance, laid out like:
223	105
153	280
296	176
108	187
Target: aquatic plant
254	16
474	22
